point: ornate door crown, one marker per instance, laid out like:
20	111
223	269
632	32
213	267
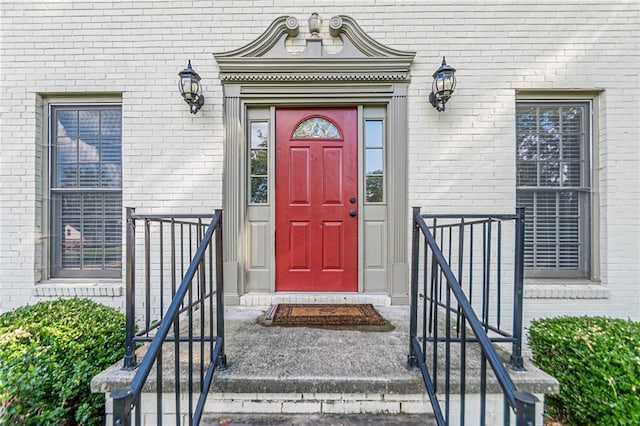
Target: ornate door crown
360	59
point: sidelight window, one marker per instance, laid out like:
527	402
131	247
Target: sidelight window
259	162
374	160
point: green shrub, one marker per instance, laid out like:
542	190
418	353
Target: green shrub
597	362
49	353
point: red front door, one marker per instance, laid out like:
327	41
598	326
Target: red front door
316	200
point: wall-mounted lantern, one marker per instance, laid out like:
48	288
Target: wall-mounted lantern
444	83
190	88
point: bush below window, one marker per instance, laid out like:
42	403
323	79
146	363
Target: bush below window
597	362
49	353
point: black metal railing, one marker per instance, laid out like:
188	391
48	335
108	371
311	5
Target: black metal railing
460	264
179	311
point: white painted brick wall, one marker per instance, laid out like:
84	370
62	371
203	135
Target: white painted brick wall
328	403
460	160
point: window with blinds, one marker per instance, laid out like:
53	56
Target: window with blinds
553	184
86	191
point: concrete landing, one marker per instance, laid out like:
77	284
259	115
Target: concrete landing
310	360
293	371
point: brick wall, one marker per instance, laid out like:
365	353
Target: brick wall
460	160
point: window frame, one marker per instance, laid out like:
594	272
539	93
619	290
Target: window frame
53	212
585	191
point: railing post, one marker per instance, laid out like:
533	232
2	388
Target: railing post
516	361
129	352
412	361
525	408
222	357
122	399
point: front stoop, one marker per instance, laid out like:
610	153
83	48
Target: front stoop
295	371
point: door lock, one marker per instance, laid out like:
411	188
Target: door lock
352	213
352	200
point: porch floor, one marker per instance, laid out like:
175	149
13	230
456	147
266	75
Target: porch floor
303	360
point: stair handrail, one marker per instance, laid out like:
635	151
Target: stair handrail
523	403
124	399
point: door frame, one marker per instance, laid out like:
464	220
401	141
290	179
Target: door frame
365	73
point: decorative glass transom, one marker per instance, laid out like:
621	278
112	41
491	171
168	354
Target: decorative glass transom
316	127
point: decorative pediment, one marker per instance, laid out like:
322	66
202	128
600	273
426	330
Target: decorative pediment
361	58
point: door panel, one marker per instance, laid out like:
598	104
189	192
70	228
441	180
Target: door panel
332	173
316	175
332	237
299	176
300	245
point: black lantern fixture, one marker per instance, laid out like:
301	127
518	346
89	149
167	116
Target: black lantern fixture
444	83
190	88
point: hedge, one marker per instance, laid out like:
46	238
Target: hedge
597	362
49	352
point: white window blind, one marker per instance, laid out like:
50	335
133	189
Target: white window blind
86	191
552	149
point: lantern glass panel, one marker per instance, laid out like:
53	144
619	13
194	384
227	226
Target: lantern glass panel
438	84
186	87
448	84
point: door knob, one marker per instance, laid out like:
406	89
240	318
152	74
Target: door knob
352	213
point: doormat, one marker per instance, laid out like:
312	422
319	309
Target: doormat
335	316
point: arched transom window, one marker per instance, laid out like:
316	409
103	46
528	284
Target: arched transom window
317	127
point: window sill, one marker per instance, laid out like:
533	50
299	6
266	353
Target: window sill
564	289
79	288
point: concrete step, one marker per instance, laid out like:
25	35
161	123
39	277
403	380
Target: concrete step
318	403
318	420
